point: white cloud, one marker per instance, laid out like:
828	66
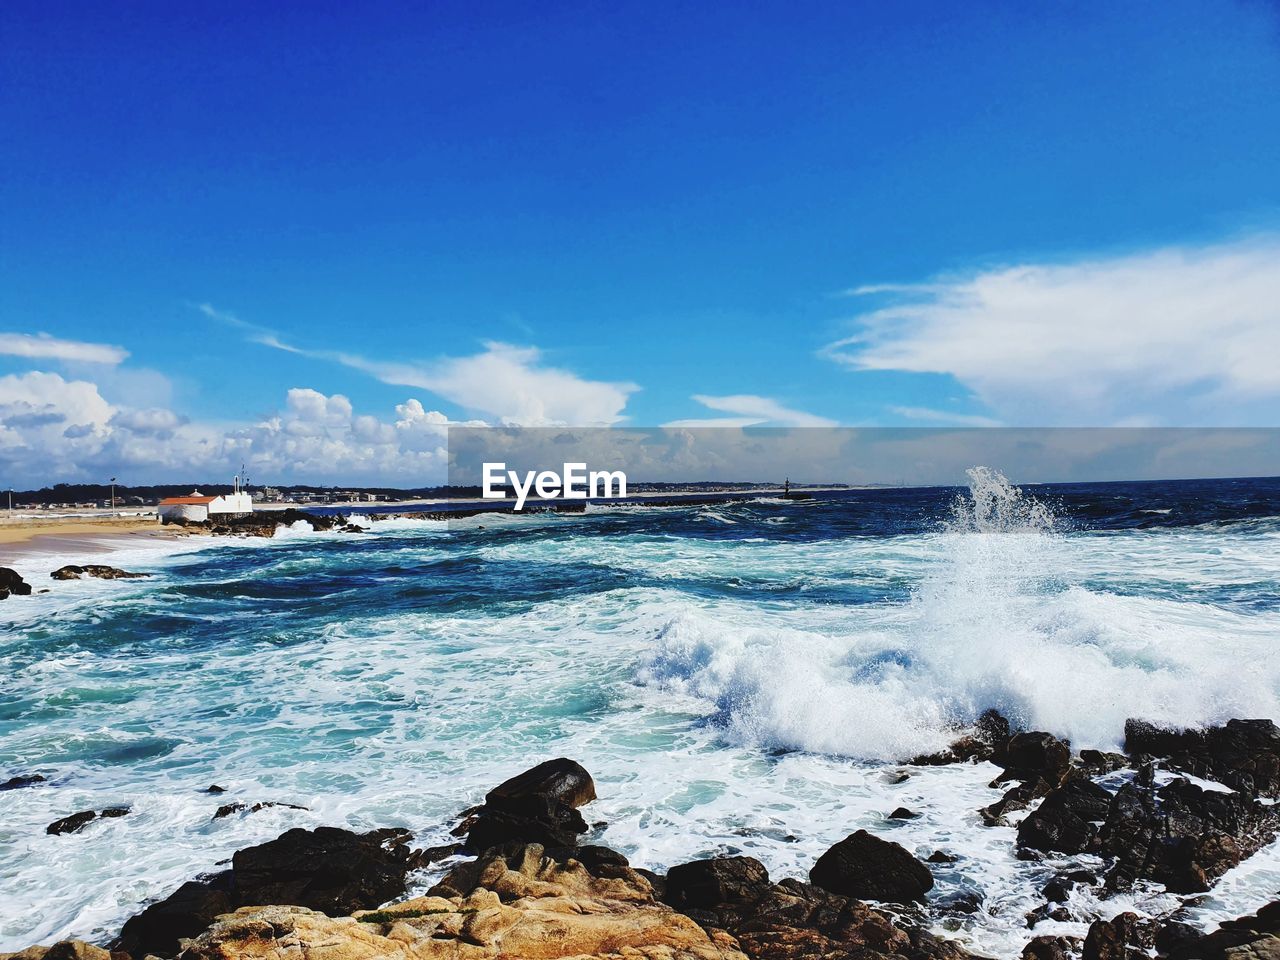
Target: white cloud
945	416
1186	334
512	384
44	347
749	410
54	429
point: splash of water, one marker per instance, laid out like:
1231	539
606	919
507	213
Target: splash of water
1008	614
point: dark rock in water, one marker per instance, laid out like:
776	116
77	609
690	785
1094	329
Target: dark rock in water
72	823
719	881
1126	937
1033	756
990	733
353	528
214	788
798	920
326	869
11	584
537	806
183	914
525	820
902	813
1182	836
868	868
77	820
1242	754
1050	948
1064	822
1255	937
1096	763
228	809
22	780
1057	890
1175	937
263	523
561	779
96	570
939	856
1016	798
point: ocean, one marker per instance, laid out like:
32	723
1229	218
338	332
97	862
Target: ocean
739	678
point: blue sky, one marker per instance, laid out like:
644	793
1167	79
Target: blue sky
846	213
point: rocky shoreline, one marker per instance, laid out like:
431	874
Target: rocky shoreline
1177	809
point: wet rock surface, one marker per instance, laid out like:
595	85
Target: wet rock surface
78	821
322	892
1242	754
12	584
868	868
329	870
537	806
96	571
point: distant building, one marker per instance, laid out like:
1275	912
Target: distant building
197	507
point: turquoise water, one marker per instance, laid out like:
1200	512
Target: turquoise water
738	678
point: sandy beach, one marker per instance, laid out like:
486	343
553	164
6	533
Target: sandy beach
24	536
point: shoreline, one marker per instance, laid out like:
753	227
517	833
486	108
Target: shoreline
29	539
525	878
23	537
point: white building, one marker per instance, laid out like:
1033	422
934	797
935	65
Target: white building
197	507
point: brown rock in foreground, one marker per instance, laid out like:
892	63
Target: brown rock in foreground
528	906
63	950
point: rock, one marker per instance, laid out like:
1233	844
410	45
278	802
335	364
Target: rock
214	788
1014	799
868	868
327	869
1242	754
63	950
1255	937
1064	821
228	809
1125	937
527	906
939	856
1050	948
525	820
11	584
1176	937
987	738
1181	835
561	779
72	823
96	570
1033	756
22	780
184	913
715	882
902	813
1095	762
791	920
537	806
111	812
